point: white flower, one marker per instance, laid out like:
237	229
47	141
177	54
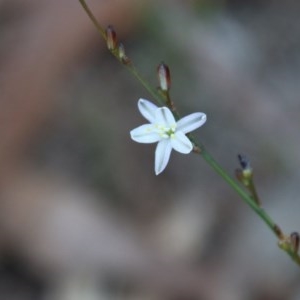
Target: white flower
164	129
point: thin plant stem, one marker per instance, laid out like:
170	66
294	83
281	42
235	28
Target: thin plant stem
128	65
93	19
245	196
253	192
164	98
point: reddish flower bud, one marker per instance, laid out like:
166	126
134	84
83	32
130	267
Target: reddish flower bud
164	77
111	38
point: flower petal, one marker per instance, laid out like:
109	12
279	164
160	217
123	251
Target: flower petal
145	134
191	122
164	117
181	143
162	155
147	109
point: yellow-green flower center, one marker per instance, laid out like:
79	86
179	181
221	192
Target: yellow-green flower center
166	132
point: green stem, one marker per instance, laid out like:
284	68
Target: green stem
253	192
207	157
93	18
245	196
145	84
128	66
199	149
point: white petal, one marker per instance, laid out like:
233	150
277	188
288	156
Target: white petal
145	134
191	122
181	143
147	109
163	116
162	155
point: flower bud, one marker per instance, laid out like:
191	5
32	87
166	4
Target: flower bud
246	167
164	77
111	38
122	55
295	241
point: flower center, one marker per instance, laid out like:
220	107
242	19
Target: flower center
166	132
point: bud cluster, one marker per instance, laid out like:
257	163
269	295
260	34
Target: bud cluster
291	244
112	44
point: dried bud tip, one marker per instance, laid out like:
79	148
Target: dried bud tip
244	162
111	38
122	55
164	77
295	241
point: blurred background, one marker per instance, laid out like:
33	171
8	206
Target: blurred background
82	215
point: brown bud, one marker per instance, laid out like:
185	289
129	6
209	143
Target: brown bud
278	232
111	38
164	77
295	241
